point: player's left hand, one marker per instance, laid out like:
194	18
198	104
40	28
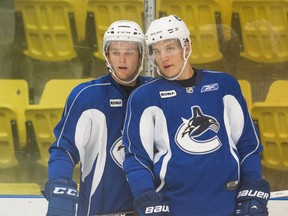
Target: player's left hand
62	196
151	204
252	198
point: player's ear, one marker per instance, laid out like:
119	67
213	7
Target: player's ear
187	47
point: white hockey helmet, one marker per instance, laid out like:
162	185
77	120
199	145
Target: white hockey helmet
124	30
164	28
168	27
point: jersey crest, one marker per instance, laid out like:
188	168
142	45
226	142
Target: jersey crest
117	152
192	136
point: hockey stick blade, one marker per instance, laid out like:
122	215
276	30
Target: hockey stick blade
278	194
129	213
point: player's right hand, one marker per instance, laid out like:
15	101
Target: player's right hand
151	204
62	196
253	197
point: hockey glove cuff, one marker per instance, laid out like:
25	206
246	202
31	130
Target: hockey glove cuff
253	197
62	196
150	203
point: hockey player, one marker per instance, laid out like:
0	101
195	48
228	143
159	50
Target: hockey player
90	131
192	149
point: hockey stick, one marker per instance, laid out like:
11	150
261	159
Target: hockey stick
274	194
278	194
129	213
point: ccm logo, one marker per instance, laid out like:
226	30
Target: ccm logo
63	190
252	193
156	209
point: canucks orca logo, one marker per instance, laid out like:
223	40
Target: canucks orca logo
194	135
117	152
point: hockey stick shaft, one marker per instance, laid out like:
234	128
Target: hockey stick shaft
274	194
278	194
129	213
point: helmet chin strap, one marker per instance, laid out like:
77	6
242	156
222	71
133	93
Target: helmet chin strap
111	70
182	69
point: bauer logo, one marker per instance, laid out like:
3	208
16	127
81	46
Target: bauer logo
156	209
116	103
253	193
167	94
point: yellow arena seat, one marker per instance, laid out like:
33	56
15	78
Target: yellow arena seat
41	121
226	11
46	29
247	92
42	118
56	91
101	13
8	137
203	19
262	27
80	11
272	118
14	98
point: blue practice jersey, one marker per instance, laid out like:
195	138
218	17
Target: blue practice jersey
191	144
90	131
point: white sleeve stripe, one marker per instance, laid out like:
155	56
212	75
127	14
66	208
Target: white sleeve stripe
129	144
231	127
233	110
68	113
258	143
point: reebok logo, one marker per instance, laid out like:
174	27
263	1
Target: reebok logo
252	193
167	94
210	87
157	209
116	103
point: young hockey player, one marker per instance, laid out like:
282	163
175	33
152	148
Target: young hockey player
192	149
90	131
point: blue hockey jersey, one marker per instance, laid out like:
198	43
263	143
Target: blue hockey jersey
90	131
191	144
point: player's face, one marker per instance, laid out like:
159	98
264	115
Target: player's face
168	55
125	58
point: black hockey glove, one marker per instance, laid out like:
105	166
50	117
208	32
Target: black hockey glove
253	197
62	196
151	204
